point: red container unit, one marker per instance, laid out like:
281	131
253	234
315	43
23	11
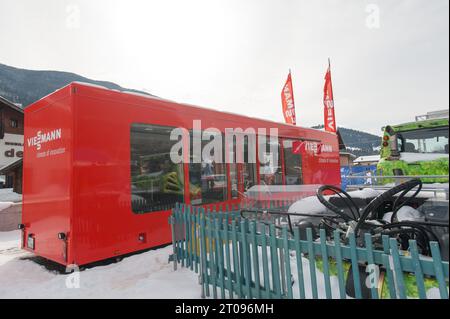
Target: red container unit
99	182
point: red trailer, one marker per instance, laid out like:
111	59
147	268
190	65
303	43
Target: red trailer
98	182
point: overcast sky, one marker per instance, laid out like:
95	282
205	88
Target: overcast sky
390	58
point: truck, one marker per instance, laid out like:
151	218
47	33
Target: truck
416	148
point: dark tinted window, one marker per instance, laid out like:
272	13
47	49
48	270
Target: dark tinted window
249	169
234	172
156	182
208	179
424	141
270	172
292	162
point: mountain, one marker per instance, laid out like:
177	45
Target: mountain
358	142
27	86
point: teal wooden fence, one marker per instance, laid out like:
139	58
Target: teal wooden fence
240	258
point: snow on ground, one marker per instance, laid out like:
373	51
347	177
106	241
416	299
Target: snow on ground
146	275
311	205
7	195
5	205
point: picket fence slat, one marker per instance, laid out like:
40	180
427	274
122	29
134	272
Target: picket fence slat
298	255
265	263
355	267
237	270
398	269
339	264
275	266
255	257
219	252
287	263
326	271
312	263
418	270
389	266
227	258
371	262
435	252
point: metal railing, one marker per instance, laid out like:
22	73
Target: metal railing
379	182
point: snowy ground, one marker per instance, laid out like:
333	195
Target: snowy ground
7	195
147	275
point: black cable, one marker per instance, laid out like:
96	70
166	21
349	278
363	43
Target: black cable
421	237
380	199
412	225
395	209
334	208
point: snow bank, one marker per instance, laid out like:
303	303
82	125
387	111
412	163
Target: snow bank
147	275
311	205
5	205
7	195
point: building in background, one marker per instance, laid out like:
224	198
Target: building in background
11	145
368	160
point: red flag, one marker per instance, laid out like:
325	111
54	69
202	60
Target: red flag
298	147
287	99
328	103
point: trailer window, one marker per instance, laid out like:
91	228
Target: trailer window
242	165
270	172
292	163
156	182
208	181
249	168
234	173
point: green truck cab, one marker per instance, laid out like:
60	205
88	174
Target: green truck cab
416	148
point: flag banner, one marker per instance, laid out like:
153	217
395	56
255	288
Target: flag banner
328	103
298	147
287	99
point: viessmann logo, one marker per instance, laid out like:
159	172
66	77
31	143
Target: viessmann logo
45	137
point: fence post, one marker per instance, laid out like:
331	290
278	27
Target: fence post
398	269
203	259
312	262
229	274
387	264
219	253
201	275
255	258
355	267
287	262
247	261
274	257
196	241
417	269
236	256
326	271
298	255
370	261
212	263
437	262
265	262
184	254
340	267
